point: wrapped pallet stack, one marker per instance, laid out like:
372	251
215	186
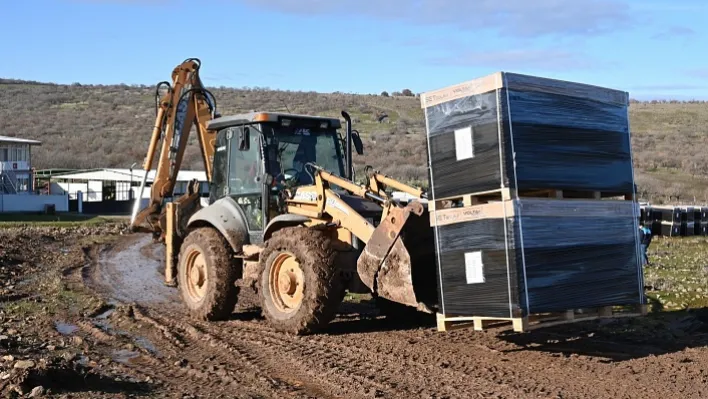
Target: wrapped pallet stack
676	221
532	202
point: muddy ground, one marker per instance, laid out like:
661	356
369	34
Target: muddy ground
84	314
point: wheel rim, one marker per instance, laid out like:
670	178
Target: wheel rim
196	275
286	282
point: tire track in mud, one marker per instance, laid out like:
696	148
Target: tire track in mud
441	367
265	361
210	349
133	363
216	369
274	362
455	365
324	366
371	372
403	377
200	362
356	361
486	356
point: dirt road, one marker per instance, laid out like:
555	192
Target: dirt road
139	341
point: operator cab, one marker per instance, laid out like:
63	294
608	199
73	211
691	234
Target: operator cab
258	153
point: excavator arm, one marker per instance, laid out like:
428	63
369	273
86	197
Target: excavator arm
186	103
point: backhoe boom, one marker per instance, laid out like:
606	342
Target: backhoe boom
186	103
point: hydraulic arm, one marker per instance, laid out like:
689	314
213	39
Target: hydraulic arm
186	103
386	264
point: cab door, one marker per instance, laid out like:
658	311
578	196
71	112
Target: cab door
244	177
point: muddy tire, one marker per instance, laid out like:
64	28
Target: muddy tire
300	287
206	275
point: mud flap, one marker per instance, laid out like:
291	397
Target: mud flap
385	264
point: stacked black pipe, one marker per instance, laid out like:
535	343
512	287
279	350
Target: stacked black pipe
675	221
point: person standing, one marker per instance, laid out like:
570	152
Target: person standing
644	241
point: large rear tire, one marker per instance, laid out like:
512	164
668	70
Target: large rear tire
300	287
207	274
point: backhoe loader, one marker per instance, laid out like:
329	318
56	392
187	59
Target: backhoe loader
284	214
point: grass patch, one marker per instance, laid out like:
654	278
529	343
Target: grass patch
59	220
678	275
357	298
23	308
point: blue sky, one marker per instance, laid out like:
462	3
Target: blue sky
651	48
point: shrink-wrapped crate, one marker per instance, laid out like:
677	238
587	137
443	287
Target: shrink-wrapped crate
496	146
524	256
525	132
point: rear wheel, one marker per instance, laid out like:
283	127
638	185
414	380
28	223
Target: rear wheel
300	286
206	275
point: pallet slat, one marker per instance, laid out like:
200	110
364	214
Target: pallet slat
533	322
505	194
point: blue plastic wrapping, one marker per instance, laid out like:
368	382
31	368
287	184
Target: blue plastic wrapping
538	255
518	131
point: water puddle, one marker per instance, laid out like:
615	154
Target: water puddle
124	356
135	274
102	321
105	315
65	328
106	326
146	344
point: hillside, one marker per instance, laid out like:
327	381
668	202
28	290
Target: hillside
88	126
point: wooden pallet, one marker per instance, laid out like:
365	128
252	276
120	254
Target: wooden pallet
536	321
505	194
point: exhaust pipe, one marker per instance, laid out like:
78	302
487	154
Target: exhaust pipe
350	163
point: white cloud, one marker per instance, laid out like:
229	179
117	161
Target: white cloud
675	31
520	58
516	18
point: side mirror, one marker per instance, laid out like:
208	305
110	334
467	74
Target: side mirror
244	139
358	145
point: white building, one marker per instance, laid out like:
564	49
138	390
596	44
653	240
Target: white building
16	165
117	184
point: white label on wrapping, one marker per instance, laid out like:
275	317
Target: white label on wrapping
474	268
464	145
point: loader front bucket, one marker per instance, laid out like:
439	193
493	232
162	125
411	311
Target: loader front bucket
398	262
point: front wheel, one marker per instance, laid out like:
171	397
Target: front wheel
207	274
300	286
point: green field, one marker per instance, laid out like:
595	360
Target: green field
678	273
59	220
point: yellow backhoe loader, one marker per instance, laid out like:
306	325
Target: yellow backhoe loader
284	214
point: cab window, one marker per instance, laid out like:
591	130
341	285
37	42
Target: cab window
245	174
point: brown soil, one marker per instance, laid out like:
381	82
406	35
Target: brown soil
100	323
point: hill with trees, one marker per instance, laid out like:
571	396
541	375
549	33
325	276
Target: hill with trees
96	126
